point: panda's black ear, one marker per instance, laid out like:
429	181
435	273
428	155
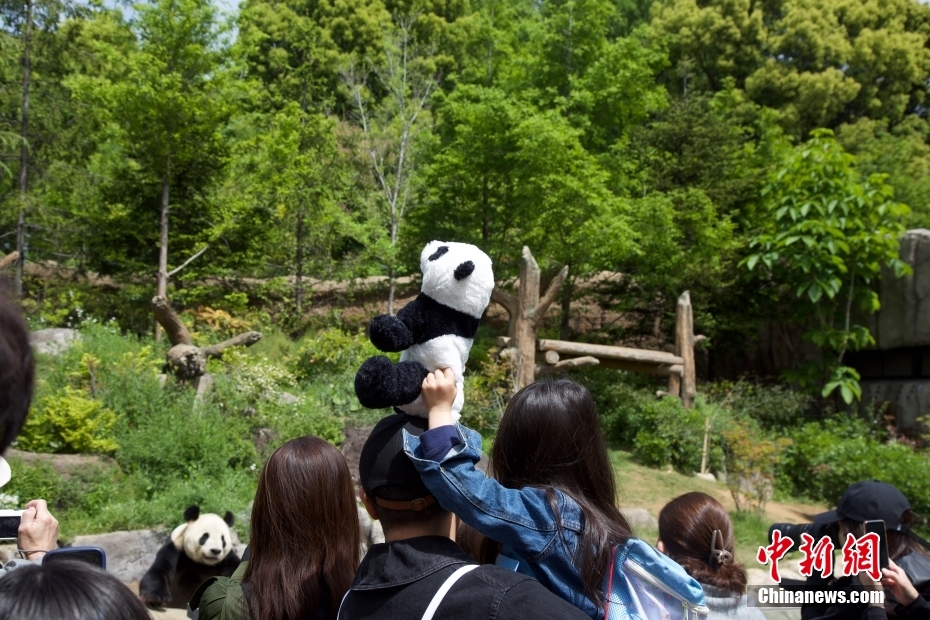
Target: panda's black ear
228	518
192	513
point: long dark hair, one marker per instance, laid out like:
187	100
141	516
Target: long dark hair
68	590
17	367
688	526
550	437
304	533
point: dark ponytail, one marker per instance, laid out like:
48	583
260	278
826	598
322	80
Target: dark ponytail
698	534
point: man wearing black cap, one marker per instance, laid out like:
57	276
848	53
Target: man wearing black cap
420	572
871	500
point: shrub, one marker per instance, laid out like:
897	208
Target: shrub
772	406
69	422
828	456
487	392
334	352
668	434
751	462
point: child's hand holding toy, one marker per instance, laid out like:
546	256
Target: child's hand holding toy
438	392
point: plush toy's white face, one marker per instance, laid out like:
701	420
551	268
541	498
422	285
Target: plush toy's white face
206	540
457	275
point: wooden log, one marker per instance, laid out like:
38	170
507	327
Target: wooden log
552	357
603	352
242	340
187	361
575	362
684	335
647	368
168	319
8	260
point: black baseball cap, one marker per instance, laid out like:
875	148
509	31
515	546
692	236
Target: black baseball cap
869	500
383	461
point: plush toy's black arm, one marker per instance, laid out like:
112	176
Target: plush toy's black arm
389	333
155	587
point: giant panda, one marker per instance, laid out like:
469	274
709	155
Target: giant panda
435	330
198	549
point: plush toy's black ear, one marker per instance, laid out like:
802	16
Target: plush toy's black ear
192	513
228	518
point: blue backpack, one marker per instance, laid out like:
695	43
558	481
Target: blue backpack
644	584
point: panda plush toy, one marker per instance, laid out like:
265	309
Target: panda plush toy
435	330
198	549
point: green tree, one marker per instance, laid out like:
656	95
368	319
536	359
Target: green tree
819	62
393	128
826	239
162	112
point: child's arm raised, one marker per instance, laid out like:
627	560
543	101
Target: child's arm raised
438	392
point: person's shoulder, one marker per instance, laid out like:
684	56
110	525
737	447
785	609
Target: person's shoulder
220	598
522	596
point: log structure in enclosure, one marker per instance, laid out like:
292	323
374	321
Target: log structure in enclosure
186	360
560	355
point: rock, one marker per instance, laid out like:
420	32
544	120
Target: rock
244	518
286	398
54	341
708	476
129	554
640	518
910	399
904	317
65	464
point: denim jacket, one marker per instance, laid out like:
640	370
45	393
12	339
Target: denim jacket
521	519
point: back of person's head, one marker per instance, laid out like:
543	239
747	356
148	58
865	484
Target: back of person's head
389	478
550	437
304	532
67	590
17	368
696	532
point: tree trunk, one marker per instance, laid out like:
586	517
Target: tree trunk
168	319
24	150
299	285
20	252
162	281
391	286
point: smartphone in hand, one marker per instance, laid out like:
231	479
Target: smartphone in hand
878	527
94	556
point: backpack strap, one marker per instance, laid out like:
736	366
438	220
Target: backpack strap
444	588
437	598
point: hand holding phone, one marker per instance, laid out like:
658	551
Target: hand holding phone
38	529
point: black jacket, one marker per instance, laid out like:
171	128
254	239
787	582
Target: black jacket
919	609
398	580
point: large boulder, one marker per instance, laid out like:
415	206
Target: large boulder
54	341
129	554
904	318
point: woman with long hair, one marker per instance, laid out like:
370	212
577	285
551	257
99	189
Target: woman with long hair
304	540
550	509
696	531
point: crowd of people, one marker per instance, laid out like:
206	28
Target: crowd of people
539	537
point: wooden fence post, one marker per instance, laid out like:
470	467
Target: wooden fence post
527	310
684	348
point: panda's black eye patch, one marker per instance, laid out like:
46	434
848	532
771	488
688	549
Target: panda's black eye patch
223	540
203	539
439	252
464	270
